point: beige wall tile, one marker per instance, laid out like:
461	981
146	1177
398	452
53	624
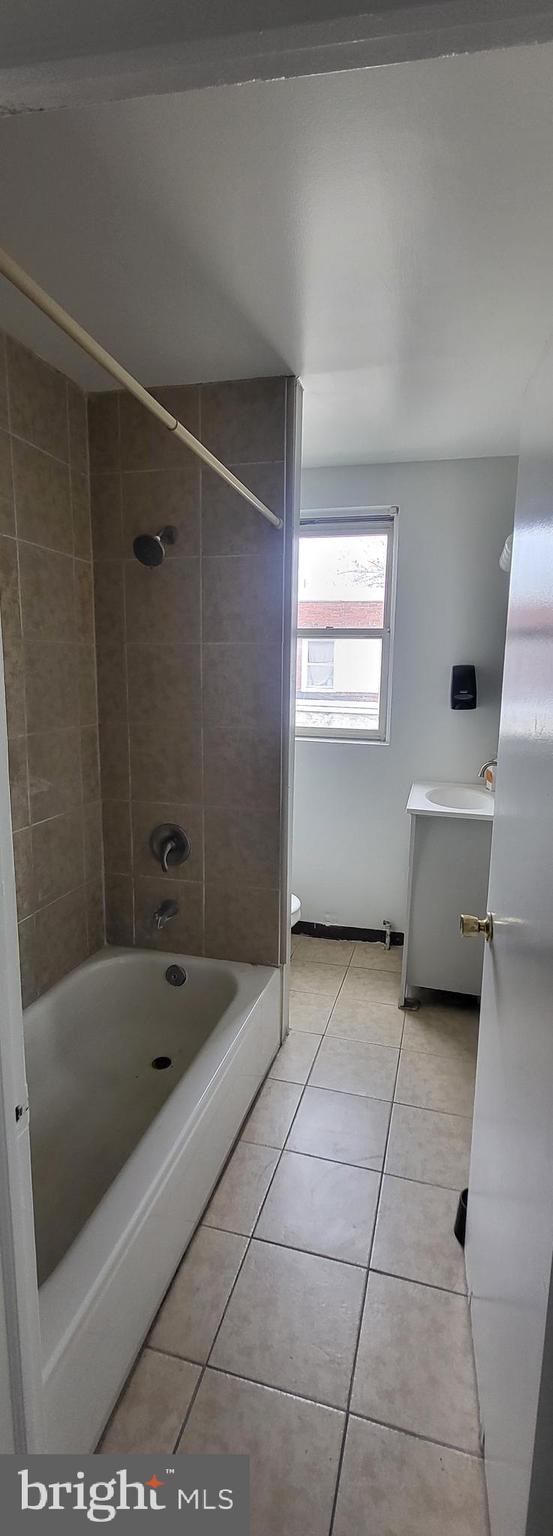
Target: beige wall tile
242	844
145	443
242	701
47	595
84	604
112	682
51	685
38	401
114	759
58	857
42	498
109	602
117	836
27	960
95	921
103	430
9	593
90	764
185	931
156	497
14	684
147	814
229	525
19	784
243	420
3	382
93	841
242	598
105	512
86	680
166	763
7	516
244	927
119	909
60	939
80	502
78	428
55	783
23	860
163	605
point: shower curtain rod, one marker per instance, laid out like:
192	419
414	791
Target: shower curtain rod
15	274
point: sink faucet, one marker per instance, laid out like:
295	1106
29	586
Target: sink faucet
164	913
491	763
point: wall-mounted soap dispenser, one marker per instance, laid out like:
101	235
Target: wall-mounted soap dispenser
463	686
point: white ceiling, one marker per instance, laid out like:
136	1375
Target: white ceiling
387	234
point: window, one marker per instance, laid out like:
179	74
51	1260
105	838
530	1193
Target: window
345	586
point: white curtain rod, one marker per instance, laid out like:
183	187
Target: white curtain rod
15	274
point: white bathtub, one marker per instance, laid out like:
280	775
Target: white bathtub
125	1155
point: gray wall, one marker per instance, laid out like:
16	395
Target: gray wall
350	829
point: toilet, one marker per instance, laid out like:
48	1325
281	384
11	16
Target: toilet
295	910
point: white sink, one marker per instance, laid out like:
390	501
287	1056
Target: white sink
469	800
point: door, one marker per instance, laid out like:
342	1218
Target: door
510	1223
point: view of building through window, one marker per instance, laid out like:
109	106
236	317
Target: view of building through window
342	593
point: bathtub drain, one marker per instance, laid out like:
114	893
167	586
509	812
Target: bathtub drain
175	975
160	1062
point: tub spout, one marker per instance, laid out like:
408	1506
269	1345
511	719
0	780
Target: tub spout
164	913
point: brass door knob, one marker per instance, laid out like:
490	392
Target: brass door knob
476	927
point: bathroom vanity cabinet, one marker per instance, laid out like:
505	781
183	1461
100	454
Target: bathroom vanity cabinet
451	828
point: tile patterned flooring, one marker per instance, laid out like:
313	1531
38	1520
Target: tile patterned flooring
319	1320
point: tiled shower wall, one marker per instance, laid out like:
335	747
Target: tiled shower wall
48	640
190	665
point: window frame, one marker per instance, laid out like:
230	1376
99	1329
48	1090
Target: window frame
327	524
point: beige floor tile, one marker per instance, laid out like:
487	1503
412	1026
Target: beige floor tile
442	1031
237	1201
292	1323
323	981
395	1485
322	1207
293	1446
324	951
382	1022
436	1082
309	1013
375	957
343	1127
273	1113
190	1315
354	1066
431	1147
414	1234
415	1366
295	1058
370	986
150	1413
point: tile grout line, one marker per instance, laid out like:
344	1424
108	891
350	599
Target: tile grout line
362	1309
250	1237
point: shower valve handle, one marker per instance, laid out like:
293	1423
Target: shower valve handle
170	845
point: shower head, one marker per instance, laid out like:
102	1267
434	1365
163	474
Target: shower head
149	548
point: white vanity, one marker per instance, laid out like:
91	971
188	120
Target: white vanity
449	859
